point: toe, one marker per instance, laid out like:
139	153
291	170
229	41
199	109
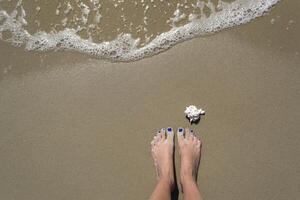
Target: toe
157	138
180	135
193	138
192	132
159	134
170	134
198	143
187	134
163	134
152	143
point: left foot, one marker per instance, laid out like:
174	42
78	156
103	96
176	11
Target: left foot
162	148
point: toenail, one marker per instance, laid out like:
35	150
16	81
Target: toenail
192	131
180	130
169	129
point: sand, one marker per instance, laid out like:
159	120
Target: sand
73	127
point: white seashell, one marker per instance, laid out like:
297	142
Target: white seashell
193	113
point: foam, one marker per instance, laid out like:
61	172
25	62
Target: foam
125	47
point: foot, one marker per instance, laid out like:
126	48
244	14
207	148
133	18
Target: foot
162	148
190	154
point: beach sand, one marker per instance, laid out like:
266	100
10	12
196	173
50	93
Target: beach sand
74	127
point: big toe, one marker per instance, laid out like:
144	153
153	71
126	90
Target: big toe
180	135
170	135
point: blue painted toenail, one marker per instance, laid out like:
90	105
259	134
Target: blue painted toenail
180	130
169	129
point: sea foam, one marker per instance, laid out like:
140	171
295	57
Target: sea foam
125	47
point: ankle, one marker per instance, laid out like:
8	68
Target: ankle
169	182
187	172
187	178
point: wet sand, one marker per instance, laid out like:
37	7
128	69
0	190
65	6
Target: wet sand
73	127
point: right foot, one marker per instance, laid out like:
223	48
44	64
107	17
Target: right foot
190	154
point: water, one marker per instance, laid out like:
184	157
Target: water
119	30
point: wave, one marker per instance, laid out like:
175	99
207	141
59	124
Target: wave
125	47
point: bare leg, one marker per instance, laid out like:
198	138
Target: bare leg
162	148
190	154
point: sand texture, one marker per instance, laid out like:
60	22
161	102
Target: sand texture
73	127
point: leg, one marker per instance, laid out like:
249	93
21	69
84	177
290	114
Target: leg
162	148
190	154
